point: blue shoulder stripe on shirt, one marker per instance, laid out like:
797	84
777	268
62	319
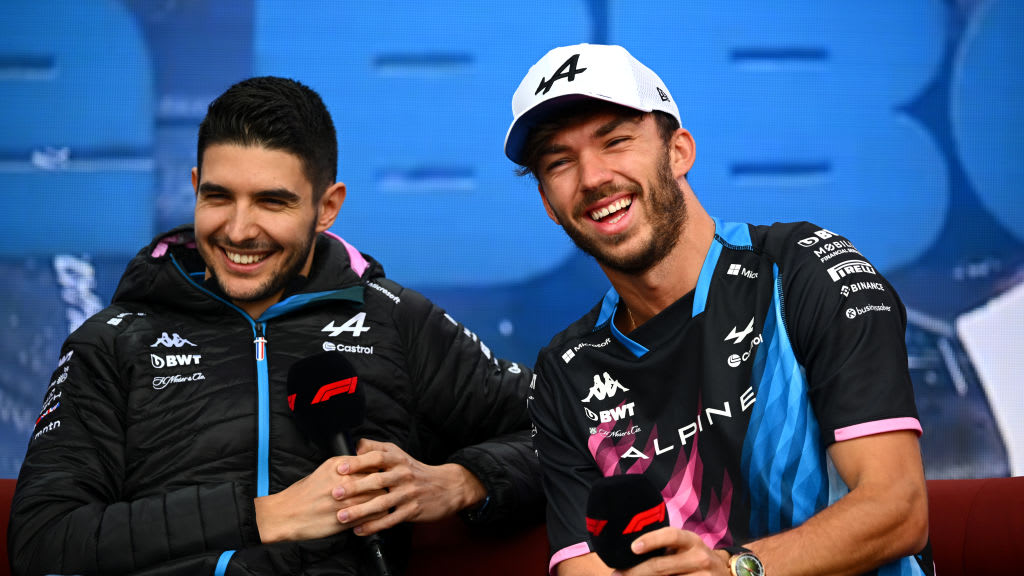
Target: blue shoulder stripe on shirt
782	459
732	233
607	314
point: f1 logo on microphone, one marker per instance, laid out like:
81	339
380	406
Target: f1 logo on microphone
645	519
595	526
327	391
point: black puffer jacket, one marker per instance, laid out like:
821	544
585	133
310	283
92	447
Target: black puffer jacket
168	414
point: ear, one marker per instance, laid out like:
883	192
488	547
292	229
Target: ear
547	206
195	180
683	152
330	205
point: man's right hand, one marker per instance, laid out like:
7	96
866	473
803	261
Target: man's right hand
308	509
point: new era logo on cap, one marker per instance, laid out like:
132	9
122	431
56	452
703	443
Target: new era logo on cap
596	71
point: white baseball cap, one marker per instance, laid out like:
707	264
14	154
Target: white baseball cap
583	71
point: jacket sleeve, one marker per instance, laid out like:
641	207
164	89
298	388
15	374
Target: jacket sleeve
476	403
74	509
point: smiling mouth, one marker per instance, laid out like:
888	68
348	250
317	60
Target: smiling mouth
613	212
244	258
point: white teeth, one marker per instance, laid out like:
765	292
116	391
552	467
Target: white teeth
612	208
243	258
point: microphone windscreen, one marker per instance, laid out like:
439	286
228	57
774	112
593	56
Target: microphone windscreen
325	395
620	509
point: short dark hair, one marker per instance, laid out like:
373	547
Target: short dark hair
542	132
279	114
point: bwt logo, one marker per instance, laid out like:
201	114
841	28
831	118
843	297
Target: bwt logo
174	360
328	391
617	413
844	269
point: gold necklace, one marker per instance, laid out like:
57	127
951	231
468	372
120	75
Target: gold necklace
632	322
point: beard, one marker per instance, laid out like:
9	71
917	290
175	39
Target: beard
279	279
667	218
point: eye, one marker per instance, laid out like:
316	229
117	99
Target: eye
275	202
616	141
214	196
555	164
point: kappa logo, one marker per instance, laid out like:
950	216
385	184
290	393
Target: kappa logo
173	341
604	388
737	337
570	75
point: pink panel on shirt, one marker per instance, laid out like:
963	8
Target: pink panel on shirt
566	553
878	427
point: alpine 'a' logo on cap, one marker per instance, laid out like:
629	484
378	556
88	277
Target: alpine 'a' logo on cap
569	75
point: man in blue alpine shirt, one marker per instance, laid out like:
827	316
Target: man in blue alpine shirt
758	381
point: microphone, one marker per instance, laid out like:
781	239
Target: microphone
328	402
620	509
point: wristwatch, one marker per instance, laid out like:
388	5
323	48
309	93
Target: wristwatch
743	562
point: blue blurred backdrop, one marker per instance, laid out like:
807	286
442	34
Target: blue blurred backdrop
897	124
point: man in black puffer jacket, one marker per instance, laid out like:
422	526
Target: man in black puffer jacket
166	445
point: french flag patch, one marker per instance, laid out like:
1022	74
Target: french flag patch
261	348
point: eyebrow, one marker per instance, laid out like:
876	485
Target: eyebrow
282	194
601	131
610	126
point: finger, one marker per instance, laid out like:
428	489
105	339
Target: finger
366	461
690	561
372	507
668	537
369	483
367	445
384	522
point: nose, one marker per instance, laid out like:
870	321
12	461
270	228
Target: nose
594	170
241	225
